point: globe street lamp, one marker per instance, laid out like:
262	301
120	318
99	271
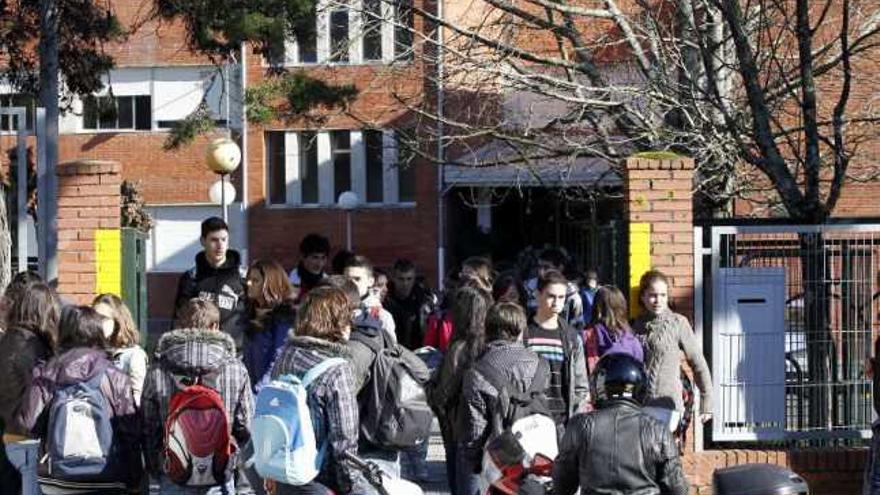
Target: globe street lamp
348	201
223	156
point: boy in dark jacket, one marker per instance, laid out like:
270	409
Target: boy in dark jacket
197	349
480	401
218	277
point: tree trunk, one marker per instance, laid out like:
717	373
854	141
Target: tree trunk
815	275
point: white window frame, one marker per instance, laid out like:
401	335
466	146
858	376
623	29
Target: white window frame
326	187
290	57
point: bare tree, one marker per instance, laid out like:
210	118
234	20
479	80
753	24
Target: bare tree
759	92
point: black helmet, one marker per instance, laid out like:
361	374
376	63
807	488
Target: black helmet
619	376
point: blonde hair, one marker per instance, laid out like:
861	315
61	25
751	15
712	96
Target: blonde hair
125	332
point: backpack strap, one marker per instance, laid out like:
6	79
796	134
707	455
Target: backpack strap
319	369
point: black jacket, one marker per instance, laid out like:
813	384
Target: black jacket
410	315
618	450
224	286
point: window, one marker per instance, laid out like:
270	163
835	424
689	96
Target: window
341	149
275	161
339	35
308	163
9	122
117	112
372	24
382	31
403	36
325	164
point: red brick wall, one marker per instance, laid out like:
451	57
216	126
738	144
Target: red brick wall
179	176
88	199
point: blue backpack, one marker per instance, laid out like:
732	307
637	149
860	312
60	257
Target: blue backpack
283	436
80	435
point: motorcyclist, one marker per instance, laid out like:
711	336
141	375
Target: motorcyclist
618	449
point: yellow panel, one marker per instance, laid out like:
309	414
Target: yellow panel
108	261
639	260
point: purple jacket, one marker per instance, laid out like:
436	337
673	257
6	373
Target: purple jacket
599	341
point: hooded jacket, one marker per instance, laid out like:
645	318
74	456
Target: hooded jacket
78	365
332	405
224	286
20	352
618	450
192	352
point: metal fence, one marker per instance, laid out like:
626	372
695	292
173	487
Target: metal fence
793	314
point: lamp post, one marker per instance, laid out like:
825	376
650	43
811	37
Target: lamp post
348	201
223	156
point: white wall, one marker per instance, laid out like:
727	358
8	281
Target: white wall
174	240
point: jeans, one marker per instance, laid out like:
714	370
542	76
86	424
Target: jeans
168	487
872	481
467	481
450	467
20	467
414	462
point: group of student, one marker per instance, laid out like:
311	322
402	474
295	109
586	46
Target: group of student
350	343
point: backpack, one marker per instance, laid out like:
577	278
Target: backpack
394	407
523	432
80	436
283	432
198	447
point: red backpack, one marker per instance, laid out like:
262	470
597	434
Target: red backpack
199	450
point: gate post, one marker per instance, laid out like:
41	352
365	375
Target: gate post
658	206
89	243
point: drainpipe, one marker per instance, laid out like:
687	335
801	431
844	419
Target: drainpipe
441	159
245	244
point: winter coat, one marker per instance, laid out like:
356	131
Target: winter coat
480	399
575	379
411	315
224	286
267	333
439	331
191	353
444	389
79	365
666	338
20	352
618	450
332	405
361	356
598	341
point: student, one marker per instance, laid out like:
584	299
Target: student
82	365
270	298
479	268
196	353
409	303
550	336
469	307
588	292
508	288
360	271
618	448
871	482
609	331
218	277
314	249
29	339
322	330
20	282
667	337
122	341
519	368
572	310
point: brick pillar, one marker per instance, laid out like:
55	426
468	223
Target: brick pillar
88	227
659	209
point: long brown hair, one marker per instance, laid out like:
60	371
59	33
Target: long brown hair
37	311
610	309
648	279
276	286
324	314
125	332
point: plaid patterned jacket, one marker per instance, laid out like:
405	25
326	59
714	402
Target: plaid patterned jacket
190	352
332	404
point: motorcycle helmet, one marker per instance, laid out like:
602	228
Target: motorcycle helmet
619	376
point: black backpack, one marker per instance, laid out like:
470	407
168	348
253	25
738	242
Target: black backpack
394	408
514	405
